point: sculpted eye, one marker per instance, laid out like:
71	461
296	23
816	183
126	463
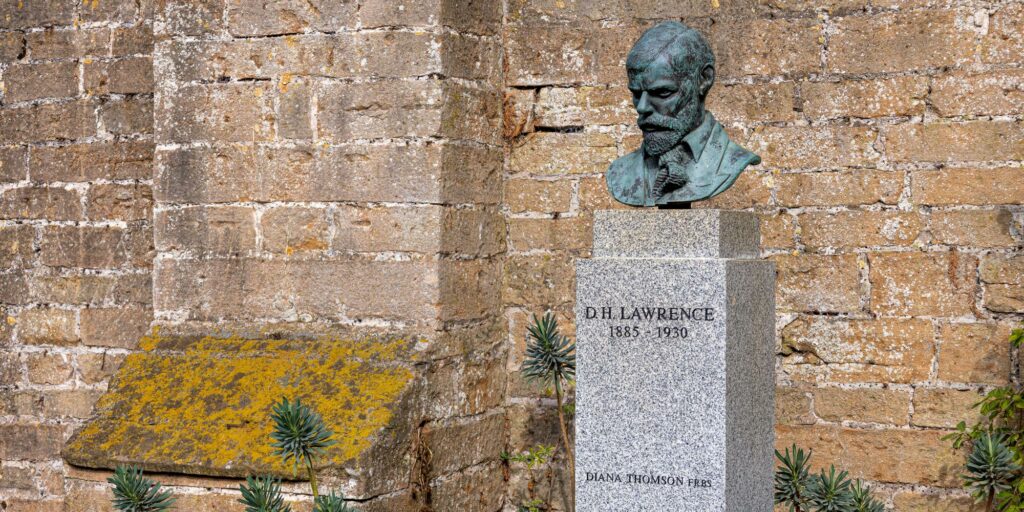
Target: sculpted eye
663	93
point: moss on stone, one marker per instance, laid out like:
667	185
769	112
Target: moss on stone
203	406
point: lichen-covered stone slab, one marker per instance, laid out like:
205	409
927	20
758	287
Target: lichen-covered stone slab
203	406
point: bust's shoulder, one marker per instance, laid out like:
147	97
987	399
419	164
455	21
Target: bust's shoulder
625	178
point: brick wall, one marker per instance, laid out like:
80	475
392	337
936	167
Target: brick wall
889	197
76	150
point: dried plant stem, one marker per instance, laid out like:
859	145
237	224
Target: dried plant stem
312	478
568	448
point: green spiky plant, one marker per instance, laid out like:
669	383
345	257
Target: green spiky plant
133	492
331	503
551	360
863	500
990	469
263	494
830	491
300	436
993	466
792	478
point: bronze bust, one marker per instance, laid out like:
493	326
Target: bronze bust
686	155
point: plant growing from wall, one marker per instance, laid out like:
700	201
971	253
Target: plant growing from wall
551	361
299	435
993	470
136	493
830	491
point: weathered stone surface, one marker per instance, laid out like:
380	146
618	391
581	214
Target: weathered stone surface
238	112
847	351
970	141
985	94
48	122
956	186
818	146
912	40
818	283
767	47
17	246
38	14
205	425
120	327
206	230
563	153
840	188
859	228
975	353
63	43
902	96
793	406
128	117
944	408
23	82
83	247
48	326
742	103
563	233
527	195
49	368
49	203
13	164
289	16
916	283
119	202
88	162
866	405
910	501
20	441
920	457
974	228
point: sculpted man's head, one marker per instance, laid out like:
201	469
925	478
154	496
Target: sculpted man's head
670	69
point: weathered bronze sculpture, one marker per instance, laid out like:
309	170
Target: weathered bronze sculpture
686	155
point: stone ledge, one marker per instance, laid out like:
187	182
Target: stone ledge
202	406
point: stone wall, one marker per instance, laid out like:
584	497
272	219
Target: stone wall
350	167
889	197
76	149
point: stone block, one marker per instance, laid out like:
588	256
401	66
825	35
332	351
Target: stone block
915	501
778	231
971	141
49	368
50	203
746	47
1003	43
469	16
379	229
974	228
793	406
815	147
83	247
700	437
48	122
119	202
854	229
120	327
858	351
134	40
210	230
294	110
13	164
958	186
295	229
839	188
564	153
12	46
538	281
193	17
25	441
901	96
1004	288
752	189
246	289
237	112
559	107
95	367
24	82
918	283
68	43
128	160
48	326
914	40
94	289
529	195
818	283
561	234
944	408
476	489
924	457
130	116
587	54
476	232
279	17
16	246
975	353
743	103
44	13
119	11
984	94
449	444
864	405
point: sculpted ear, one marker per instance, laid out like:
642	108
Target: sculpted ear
707	79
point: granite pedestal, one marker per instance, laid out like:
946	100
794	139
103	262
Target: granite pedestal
675	388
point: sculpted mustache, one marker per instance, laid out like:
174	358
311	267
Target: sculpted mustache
658	121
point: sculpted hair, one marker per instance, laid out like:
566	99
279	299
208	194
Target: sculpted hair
687	50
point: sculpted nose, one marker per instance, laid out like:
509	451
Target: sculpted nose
643	106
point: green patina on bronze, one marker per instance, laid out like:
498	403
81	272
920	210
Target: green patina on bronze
686	155
203	406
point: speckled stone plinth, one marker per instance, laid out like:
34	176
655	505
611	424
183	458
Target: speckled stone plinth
675	387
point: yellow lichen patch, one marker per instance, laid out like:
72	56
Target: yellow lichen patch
203	407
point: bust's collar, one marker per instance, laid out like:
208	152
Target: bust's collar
697	139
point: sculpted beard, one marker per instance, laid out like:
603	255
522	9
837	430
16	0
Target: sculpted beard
662	133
